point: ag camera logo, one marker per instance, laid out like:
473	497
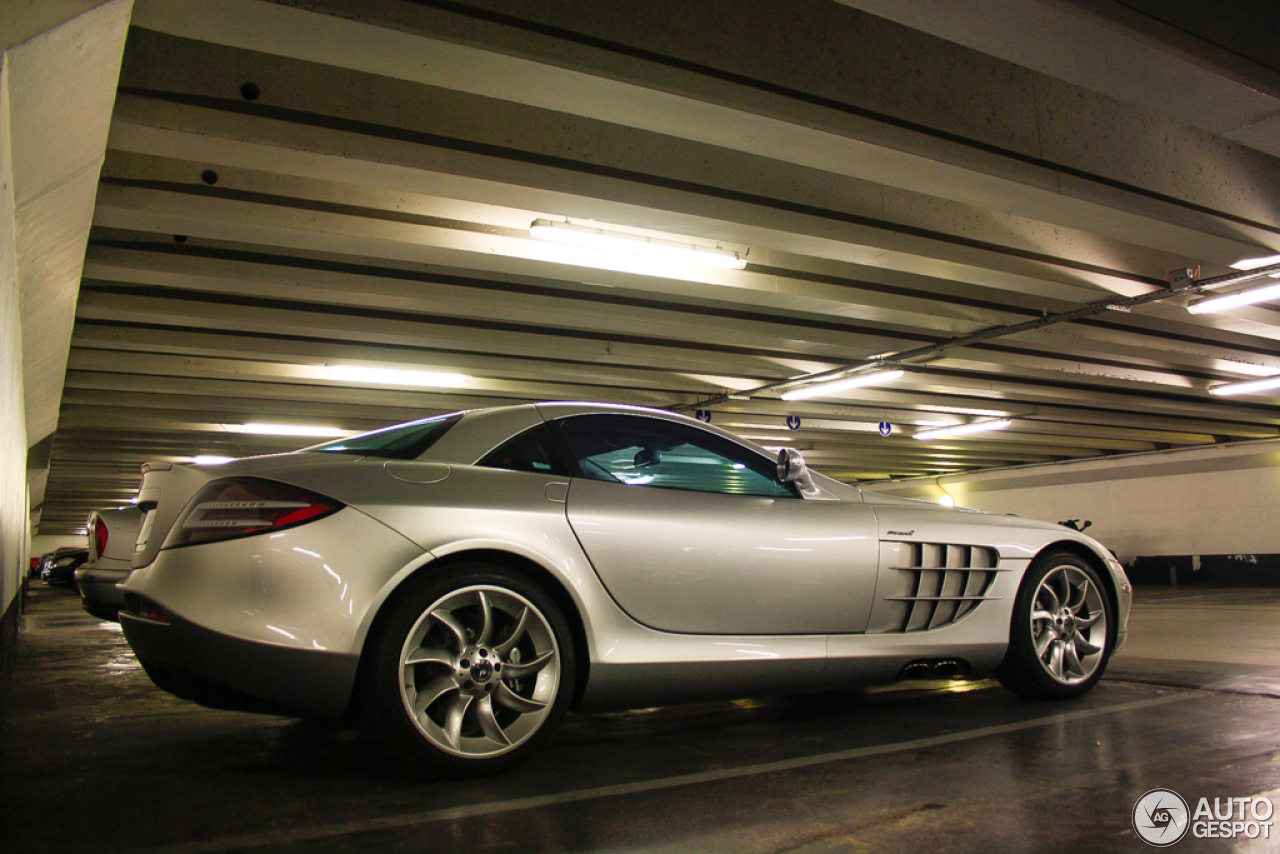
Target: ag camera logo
1161	818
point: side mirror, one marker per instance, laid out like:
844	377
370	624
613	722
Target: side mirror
647	456
792	469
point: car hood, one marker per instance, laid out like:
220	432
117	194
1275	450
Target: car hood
937	515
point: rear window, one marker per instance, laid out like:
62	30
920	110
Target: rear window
398	442
531	451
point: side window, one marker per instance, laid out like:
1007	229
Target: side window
640	451
532	451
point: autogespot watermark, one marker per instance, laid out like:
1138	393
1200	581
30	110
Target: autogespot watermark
1162	818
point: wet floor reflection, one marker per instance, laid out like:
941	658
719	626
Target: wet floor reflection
882	769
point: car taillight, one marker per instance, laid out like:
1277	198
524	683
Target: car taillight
241	507
151	611
99	545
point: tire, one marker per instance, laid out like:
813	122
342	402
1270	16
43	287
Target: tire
1060	636
471	671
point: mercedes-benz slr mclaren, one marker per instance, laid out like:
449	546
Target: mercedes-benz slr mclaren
464	580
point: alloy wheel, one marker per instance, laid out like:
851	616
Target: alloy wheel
479	671
1069	625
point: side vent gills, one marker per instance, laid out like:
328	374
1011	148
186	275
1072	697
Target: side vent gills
939	585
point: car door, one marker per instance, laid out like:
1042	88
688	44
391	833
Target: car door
691	533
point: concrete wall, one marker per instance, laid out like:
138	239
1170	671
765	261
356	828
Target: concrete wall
1208	501
13	430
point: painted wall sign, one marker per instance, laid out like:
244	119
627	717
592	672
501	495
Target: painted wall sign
703	415
793	422
885	428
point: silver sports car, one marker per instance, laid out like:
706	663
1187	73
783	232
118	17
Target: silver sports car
465	580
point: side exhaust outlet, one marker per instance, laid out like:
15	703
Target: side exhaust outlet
940	668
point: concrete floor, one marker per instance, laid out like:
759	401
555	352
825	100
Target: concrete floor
95	759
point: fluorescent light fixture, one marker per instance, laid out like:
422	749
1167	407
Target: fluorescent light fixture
1246	388
963	429
836	386
634	244
396	376
286	430
1255	263
947	501
212	460
1236	300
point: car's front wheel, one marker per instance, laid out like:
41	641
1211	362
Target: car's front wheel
1059	640
473	667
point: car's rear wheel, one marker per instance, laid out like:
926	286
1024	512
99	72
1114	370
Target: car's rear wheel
1059	639
473	667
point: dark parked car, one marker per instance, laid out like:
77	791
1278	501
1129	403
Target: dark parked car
37	563
60	566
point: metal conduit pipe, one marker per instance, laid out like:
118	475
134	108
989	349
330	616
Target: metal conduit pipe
1182	281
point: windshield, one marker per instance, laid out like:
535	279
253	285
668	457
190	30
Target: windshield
397	442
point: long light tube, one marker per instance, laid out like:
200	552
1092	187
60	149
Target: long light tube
397	376
1255	263
1246	388
212	460
634	244
962	429
1242	297
859	381
286	430
1236	300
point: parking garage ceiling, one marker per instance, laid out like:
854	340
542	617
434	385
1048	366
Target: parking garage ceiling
290	187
